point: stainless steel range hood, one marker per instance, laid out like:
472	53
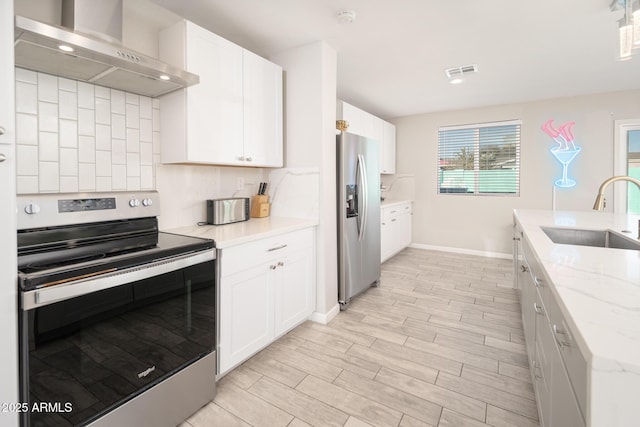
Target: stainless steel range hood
94	60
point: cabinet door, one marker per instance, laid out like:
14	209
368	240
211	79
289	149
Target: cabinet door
8	291
528	299
404	230
542	368
215	105
388	148
246	314
355	117
386	239
295	293
262	111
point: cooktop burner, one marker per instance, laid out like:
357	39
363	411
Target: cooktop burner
34	275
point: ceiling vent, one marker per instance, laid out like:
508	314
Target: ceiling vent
458	72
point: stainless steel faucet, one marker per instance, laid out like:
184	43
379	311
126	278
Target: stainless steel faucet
600	202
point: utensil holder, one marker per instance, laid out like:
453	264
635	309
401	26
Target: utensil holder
260	206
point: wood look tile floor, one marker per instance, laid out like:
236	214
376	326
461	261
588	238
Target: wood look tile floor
438	343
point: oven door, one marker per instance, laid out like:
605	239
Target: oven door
85	355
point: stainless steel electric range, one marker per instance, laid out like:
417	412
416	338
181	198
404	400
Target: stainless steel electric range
117	320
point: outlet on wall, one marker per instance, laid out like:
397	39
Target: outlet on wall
240	183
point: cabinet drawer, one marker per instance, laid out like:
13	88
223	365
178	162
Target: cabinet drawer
241	257
390	212
574	361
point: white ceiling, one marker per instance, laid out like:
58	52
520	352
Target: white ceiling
391	60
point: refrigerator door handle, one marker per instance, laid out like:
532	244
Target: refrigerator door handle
363	191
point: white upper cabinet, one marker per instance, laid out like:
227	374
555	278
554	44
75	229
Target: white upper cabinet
233	116
366	124
388	148
262	111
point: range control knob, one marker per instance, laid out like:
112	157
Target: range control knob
147	202
134	203
32	208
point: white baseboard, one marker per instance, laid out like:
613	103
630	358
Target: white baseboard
325	318
461	251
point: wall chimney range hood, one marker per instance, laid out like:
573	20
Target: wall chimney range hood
92	56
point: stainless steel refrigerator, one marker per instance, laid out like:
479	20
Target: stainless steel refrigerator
358	215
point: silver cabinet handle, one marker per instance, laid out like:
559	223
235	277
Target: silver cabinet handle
241	158
249	159
2	157
557	331
394	220
516	238
539	282
272	267
276	248
280	264
524	268
536	369
538	309
2	130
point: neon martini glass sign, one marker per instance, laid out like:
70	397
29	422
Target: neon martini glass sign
565	151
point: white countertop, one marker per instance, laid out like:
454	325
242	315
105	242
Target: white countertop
598	290
389	203
242	232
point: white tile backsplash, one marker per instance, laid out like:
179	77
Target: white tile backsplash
67	85
48	145
68	105
26	98
119	177
47	88
86	122
76	136
47	117
26	184
49	177
68	133
86	95
26	76
86	149
103	137
118	152
103	92
103	111
117	102
26	129
118	128
27	160
69	184
146	108
133	116
87	177
133	140
69	163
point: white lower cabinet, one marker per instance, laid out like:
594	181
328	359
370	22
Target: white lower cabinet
395	229
558	368
267	287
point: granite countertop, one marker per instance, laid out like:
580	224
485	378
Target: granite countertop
388	203
243	232
598	291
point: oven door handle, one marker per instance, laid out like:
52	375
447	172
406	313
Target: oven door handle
86	285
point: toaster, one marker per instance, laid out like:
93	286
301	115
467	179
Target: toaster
226	211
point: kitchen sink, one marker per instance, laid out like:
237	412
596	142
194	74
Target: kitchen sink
597	238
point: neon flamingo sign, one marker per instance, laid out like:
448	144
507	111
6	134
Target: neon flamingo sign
565	151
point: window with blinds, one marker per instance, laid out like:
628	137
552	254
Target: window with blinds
480	159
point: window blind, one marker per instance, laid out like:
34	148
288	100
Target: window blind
479	159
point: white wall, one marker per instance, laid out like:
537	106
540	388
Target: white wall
483	223
310	98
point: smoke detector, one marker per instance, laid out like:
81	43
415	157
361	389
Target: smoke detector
456	74
346	16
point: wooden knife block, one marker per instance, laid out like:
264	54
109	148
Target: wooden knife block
260	206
